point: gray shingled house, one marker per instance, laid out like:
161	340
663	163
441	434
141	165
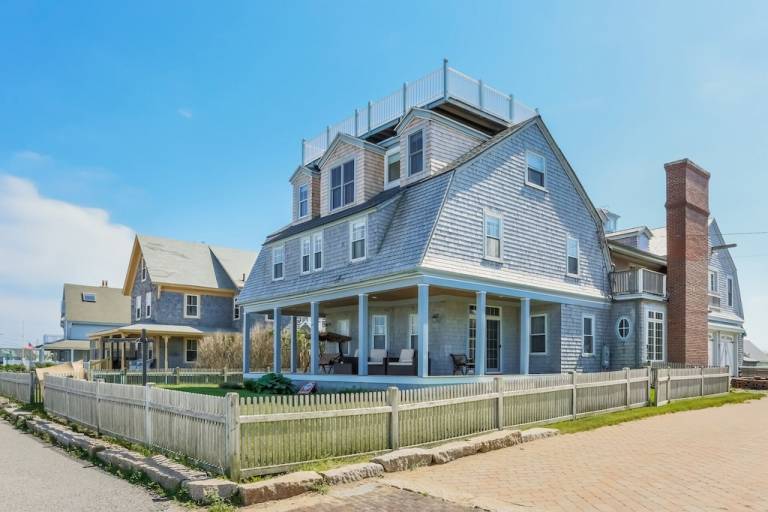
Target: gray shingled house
179	292
436	228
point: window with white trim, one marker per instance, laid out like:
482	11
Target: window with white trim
493	230
190	351
148	305
317	251
535	174
413	330
88	297
572	257
539	334
143	270
713	281
357	238
191	306
138	307
379	332
729	283
306	255
655	336
342	185
303	200
278	262
588	335
392	167
623	328
415	153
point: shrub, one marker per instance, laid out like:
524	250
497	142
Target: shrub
13	368
272	384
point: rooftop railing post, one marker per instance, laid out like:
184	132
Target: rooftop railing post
480	92
511	108
357	115
327	136
445	79
405	96
369	116
303	152
640	284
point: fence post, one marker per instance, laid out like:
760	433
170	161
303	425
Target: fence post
655	373
499	384
148	413
648	375
98	405
702	380
669	379
224	374
32	386
393	398
629	387
176	376
124	376
232	436
573	394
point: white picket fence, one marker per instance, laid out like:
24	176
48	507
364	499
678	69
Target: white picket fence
252	436
197	426
17	385
677	383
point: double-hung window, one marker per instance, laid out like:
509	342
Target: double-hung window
379	332
191	306
392	167
415	153
572	256
538	334
317	251
190	351
536	171
713	281
413	330
138	307
493	229
148	305
588	335
343	184
303	200
730	291
278	262
306	255
357	237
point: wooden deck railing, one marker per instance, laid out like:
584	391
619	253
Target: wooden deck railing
640	280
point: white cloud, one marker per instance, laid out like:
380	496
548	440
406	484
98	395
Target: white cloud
44	243
185	113
31	156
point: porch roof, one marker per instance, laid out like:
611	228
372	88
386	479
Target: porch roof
67	345
159	329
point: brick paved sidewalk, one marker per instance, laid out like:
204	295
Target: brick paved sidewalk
711	459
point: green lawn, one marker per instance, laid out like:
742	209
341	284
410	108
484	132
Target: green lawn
614	418
209	389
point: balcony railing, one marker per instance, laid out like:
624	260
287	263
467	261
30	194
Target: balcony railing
640	280
442	83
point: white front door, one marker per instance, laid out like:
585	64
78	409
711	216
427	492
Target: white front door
726	353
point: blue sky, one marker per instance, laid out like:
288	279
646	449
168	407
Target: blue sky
184	119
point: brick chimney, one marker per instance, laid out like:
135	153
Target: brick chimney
687	261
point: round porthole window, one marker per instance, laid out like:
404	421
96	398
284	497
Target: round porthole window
623	328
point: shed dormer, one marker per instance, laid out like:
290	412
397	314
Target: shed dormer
306	194
351	172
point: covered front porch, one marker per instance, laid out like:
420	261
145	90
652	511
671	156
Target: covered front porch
428	332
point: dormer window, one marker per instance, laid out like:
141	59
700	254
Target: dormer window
278	259
415	153
392	167
89	297
537	169
303	200
343	184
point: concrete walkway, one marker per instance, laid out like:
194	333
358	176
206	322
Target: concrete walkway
36	476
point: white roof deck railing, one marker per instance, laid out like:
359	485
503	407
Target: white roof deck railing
442	83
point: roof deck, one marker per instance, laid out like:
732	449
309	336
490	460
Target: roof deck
445	90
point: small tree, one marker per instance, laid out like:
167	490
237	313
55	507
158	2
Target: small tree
220	350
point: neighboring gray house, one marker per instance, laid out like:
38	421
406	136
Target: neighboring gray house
445	220
179	292
85	310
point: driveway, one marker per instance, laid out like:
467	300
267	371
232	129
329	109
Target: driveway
706	460
36	476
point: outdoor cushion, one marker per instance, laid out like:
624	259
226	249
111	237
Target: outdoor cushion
377	355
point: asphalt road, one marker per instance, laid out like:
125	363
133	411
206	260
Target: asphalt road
36	476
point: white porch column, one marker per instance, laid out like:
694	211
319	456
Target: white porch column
294	346
480	336
314	349
71	355
525	335
165	352
362	334
277	341
246	343
423	330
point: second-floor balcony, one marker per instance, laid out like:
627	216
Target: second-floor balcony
440	86
638	281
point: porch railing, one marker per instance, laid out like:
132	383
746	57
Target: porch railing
442	83
641	280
